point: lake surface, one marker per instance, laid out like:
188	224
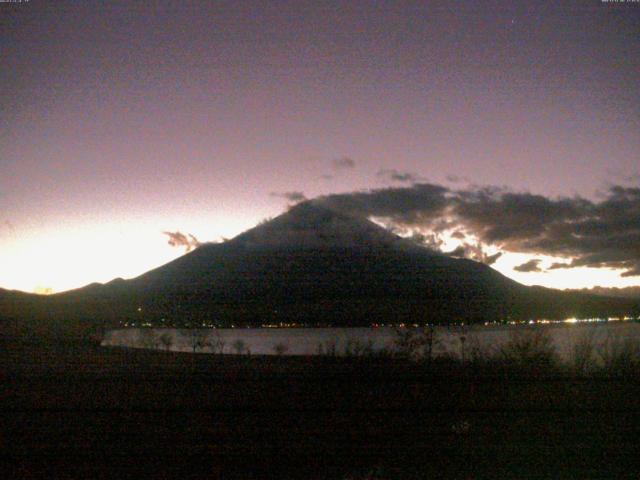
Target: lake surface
313	341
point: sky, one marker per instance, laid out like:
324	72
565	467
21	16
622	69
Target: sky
124	125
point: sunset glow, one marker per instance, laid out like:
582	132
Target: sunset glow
144	126
55	260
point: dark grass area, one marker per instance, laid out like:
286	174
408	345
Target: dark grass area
75	411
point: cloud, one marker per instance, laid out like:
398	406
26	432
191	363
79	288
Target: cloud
421	204
592	234
491	259
632	272
501	216
432	241
460	252
293	197
339	165
530	266
344	163
474	252
456	179
179	239
557	265
600	234
396	176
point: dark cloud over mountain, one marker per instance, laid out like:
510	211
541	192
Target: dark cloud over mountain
530	266
557	265
603	233
491	259
419	205
474	252
432	240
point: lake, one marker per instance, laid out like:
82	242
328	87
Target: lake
451	340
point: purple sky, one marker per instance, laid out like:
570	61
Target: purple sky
120	120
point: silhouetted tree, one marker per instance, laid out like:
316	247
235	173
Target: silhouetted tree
280	348
239	346
198	339
167	340
218	343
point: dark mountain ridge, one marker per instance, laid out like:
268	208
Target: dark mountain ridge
624	292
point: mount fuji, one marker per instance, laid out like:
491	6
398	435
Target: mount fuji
314	265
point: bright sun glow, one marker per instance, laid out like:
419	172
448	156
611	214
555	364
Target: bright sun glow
56	260
581	277
76	257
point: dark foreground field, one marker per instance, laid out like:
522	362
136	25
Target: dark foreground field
87	412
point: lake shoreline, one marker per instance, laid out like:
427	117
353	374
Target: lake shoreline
453	340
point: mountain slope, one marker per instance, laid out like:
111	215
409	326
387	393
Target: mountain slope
313	253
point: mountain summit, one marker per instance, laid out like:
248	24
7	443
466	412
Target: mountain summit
311	225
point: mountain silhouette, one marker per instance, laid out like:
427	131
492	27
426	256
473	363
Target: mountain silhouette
315	265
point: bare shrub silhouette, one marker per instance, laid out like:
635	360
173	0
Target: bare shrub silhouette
416	343
280	348
327	348
583	359
217	343
240	346
198	339
531	348
619	355
166	340
356	347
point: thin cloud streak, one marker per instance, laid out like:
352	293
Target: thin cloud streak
292	197
393	175
343	163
